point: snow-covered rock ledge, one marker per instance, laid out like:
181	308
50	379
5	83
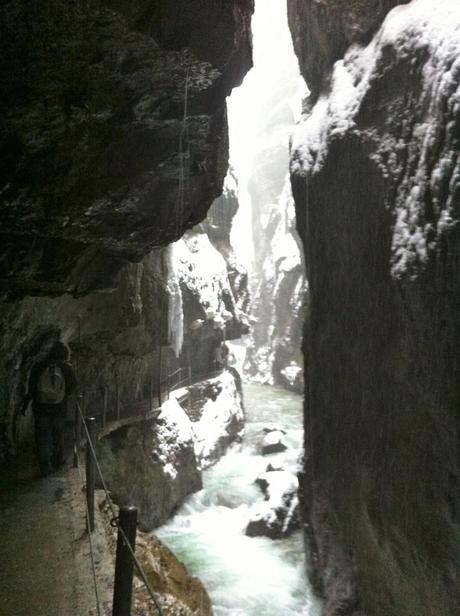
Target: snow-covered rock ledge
218	417
156	464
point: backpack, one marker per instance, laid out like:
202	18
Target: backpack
51	385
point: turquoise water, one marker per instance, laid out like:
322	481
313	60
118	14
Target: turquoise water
245	576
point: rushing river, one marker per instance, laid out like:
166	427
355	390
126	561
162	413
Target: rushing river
244	576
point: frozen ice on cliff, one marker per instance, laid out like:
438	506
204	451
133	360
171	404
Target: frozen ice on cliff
175	309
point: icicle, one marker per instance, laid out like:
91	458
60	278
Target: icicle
175	308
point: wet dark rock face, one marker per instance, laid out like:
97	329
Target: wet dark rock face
100	169
322	30
376	181
99	165
115	338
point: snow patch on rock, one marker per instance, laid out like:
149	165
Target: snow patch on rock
221	421
278	516
410	31
174	433
273	442
203	270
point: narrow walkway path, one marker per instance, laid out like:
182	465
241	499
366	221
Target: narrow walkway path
44	550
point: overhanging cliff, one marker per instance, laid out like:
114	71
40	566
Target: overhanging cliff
113	132
113	137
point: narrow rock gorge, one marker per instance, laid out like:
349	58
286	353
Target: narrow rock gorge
114	147
376	180
267	107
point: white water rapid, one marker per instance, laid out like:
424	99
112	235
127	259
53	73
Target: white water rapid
245	576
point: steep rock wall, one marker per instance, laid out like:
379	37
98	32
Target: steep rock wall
376	180
114	141
122	341
322	30
113	132
115	340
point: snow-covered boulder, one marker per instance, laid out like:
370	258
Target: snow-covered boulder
274	467
272	427
277	517
152	464
292	376
273	442
217	417
156	464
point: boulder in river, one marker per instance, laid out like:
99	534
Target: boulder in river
273	442
273	427
277	517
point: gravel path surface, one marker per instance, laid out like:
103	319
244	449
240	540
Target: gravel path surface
45	567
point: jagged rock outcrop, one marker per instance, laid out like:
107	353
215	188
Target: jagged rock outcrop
207	301
277	517
322	30
113	132
152	465
213	285
218	226
217	414
155	464
376	180
180	594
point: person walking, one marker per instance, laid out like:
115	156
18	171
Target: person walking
51	382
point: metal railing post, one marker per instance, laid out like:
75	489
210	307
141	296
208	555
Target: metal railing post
124	564
76	434
118	397
90	471
151	393
104	408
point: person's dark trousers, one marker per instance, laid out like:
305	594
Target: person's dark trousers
49	440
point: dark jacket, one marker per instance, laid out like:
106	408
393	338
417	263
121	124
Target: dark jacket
32	394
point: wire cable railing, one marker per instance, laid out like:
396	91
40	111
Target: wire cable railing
90	539
115	519
176	380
